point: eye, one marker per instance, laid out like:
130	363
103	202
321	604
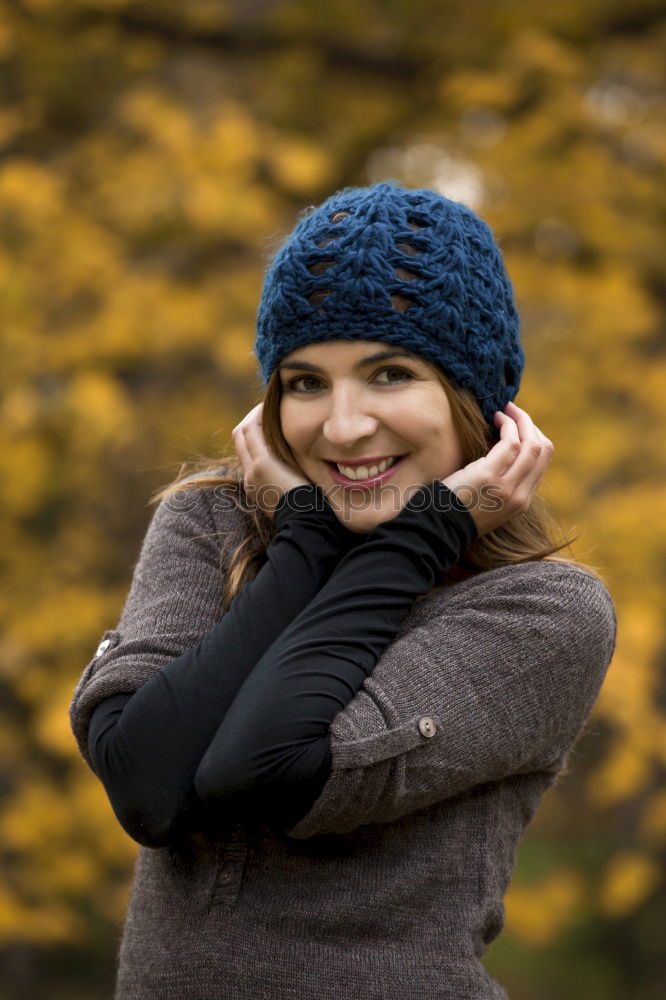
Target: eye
291	385
401	371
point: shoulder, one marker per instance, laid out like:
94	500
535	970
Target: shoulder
558	587
549	578
207	511
546	598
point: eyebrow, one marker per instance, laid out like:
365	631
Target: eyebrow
379	356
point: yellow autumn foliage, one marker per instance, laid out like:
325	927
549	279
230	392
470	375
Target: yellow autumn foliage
145	178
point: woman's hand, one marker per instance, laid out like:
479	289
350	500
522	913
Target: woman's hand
265	477
503	481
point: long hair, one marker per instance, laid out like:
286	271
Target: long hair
528	536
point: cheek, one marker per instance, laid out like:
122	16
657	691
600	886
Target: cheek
294	428
430	432
419	414
439	440
287	418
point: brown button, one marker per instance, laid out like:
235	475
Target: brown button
427	726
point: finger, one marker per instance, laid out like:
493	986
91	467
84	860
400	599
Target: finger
247	419
525	422
533	481
530	467
550	447
527	429
254	439
505	452
515	483
545	459
523	419
242	451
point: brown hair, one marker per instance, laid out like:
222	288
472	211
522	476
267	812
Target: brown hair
530	535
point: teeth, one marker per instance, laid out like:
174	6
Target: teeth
363	472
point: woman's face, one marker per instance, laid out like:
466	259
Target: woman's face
339	405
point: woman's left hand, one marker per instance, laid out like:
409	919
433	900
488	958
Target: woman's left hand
265	476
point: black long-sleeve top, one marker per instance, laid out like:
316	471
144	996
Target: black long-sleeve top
240	721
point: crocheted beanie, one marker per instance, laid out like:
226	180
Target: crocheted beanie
402	266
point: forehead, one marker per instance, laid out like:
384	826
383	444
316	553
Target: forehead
345	352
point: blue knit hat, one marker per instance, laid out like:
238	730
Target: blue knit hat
404	266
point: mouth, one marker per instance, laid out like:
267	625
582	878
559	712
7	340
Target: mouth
366	483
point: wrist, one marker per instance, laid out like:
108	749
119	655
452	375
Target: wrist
304	497
436	495
434	521
308	504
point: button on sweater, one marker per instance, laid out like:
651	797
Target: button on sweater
369	853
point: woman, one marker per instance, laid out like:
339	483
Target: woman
350	663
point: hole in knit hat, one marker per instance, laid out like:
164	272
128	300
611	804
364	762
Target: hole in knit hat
413	224
405	275
336	217
508	375
407	248
319	295
320	266
401	303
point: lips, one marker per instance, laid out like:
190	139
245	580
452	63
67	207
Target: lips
369	483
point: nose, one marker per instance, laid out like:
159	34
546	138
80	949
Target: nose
348	419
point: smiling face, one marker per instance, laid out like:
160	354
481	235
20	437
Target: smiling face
338	406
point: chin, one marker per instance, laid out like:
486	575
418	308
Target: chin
360	529
357	519
363	523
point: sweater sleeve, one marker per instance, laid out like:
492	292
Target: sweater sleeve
499	682
169	671
274	757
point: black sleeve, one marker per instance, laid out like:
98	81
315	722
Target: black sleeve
270	756
272	750
146	746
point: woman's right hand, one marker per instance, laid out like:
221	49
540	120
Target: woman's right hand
502	482
265	476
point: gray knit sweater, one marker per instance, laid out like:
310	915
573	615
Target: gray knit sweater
391	886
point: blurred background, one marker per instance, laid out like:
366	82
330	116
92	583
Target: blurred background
151	157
